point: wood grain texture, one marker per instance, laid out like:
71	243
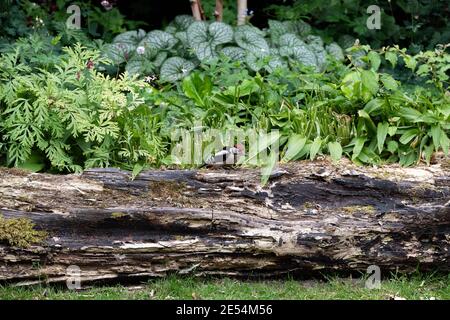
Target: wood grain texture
314	217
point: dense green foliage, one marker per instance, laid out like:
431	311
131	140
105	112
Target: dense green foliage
186	43
416	24
68	102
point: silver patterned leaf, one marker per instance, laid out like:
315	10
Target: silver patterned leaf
175	68
203	38
252	41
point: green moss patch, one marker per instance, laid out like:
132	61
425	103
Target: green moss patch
20	232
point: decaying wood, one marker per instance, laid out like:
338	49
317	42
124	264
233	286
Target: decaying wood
316	216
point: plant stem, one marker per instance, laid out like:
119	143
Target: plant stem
241	11
218	12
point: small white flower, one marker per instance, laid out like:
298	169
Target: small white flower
140	50
184	70
107	5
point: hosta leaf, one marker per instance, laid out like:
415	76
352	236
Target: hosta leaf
175	68
252	41
204	38
160	40
335	51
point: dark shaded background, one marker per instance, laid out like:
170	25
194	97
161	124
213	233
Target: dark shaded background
158	13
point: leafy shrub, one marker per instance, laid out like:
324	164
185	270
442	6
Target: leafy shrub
59	111
186	43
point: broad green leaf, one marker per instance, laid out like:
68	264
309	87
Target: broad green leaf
315	148
335	149
445	142
374	105
159	40
410	114
392	131
138	167
436	135
382	131
388	82
359	144
369	80
251	41
391	57
203	38
409	135
175	68
410	62
130	37
268	167
234	53
428	152
295	144
182	22
392	146
335	51
374	59
197	87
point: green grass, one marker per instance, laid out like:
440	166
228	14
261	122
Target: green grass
416	287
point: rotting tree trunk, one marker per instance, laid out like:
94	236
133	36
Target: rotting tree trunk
316	217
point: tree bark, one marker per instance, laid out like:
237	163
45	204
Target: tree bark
196	10
311	217
241	12
218	11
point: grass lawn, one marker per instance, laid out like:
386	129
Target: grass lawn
173	287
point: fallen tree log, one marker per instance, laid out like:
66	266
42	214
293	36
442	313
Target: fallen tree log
310	217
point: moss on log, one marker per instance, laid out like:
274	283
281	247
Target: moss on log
312	216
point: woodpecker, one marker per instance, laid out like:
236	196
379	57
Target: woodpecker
228	156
